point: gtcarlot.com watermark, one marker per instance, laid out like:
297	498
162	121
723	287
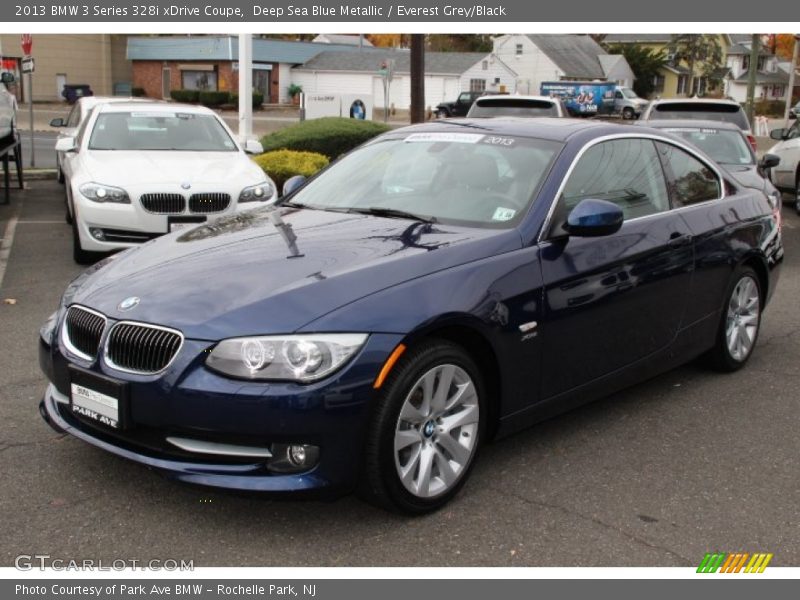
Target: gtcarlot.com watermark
30	562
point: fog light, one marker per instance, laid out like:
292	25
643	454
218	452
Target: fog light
97	233
293	458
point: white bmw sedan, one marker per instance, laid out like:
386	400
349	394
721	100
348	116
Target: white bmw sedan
135	171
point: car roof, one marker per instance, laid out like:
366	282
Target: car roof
698	101
557	129
155	106
689	124
516	97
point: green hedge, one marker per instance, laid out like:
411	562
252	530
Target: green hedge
331	136
185	95
138	92
258	99
280	165
769	108
213	99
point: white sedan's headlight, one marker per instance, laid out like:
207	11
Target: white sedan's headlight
303	358
257	193
99	192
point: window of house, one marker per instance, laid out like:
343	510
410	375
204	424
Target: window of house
691	181
777	91
518	49
626	172
477	85
699	86
485	65
658	84
683	84
745	61
199	80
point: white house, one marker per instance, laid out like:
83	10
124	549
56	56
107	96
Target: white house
543	57
772	83
489	74
361	73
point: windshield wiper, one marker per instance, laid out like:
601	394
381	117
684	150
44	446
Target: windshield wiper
392	213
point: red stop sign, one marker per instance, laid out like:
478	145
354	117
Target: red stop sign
27	43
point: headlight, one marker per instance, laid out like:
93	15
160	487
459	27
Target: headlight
257	193
104	193
303	358
46	330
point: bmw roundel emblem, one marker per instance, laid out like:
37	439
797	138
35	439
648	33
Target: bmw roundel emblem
128	303
186	185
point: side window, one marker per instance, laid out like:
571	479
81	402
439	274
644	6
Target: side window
626	172
618	94
691	181
82	130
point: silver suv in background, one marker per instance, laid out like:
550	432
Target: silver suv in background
706	109
8	106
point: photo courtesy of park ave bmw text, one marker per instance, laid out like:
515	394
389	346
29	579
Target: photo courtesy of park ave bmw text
297	298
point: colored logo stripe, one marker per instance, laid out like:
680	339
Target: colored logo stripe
733	563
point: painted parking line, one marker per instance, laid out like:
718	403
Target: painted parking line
35	222
5	247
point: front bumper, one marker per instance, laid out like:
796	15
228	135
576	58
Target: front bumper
190	401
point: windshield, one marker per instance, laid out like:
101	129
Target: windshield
459	178
629	93
724	146
730	113
166	130
513	107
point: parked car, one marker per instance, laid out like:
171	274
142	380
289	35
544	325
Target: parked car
794	111
80	110
138	170
726	144
8	106
504	105
459	108
441	285
786	176
707	109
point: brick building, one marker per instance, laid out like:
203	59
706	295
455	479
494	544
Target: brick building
161	64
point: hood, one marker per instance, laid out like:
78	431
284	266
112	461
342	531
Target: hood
274	270
143	167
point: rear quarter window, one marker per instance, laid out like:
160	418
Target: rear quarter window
689	180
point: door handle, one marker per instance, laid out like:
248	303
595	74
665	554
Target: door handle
677	240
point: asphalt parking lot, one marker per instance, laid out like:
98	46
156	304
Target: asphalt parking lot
687	463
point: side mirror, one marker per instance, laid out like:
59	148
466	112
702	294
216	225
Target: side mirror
594	218
792	115
778	134
768	161
253	147
66	144
292	184
7	77
59	122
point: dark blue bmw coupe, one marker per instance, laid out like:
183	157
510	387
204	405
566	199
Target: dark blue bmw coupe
440	286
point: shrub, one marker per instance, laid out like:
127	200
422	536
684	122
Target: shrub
294	89
258	99
185	95
138	92
212	98
280	165
331	136
769	108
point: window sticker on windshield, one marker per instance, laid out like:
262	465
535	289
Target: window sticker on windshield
690	130
459	138
503	214
154	115
499	141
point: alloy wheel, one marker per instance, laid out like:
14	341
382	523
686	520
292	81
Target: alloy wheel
742	322
437	430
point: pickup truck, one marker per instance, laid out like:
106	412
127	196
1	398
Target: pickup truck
8	106
459	108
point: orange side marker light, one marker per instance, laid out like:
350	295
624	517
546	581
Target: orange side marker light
387	366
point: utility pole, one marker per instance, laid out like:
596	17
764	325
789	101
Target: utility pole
417	78
752	72
792	71
245	86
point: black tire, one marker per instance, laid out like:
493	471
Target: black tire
720	356
60	175
628	114
380	482
797	193
67	213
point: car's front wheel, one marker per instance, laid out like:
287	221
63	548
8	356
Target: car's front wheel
797	193
740	323
426	429
79	255
628	114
